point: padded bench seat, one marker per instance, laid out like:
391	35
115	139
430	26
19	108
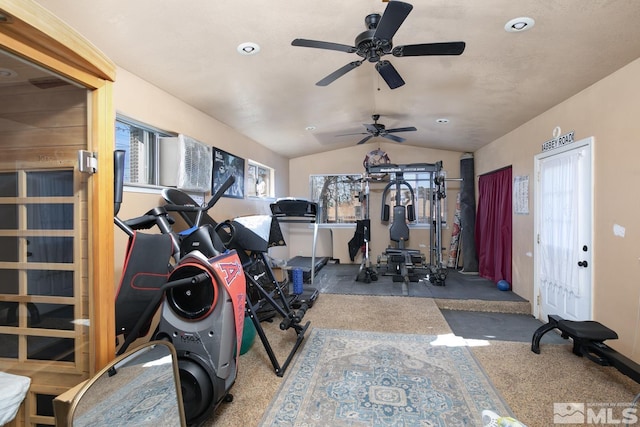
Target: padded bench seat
586	330
588	339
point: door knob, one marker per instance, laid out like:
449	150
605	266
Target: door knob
583	263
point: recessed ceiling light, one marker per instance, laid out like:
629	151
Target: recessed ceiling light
310	128
248	48
6	73
517	25
442	121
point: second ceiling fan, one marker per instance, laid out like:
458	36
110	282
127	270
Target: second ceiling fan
376	42
378	129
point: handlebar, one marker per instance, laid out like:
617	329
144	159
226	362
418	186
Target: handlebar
159	216
202	209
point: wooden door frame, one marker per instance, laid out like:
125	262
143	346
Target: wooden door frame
32	32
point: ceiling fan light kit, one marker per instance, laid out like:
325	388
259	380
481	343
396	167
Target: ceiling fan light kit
377	41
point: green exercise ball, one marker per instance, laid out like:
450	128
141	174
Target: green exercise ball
248	335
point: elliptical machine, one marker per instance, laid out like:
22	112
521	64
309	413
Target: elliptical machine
201	299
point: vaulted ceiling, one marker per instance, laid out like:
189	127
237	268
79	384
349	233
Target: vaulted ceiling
502	80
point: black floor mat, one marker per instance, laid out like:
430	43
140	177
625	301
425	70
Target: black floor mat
497	326
341	279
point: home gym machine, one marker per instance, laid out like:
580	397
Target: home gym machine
404	264
588	338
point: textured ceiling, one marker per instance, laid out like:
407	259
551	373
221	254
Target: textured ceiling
502	80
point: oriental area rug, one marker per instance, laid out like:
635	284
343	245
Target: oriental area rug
357	378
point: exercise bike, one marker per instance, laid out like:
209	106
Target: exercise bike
201	298
250	237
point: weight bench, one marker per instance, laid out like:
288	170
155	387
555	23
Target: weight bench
588	338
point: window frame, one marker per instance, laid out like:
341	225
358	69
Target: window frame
350	179
255	171
152	153
423	194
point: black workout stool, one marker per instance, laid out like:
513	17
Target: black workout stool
588	338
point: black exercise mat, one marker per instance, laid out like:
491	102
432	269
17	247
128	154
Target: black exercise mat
482	325
341	279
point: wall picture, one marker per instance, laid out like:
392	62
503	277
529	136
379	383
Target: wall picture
224	166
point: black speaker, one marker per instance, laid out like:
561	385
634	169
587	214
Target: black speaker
200	321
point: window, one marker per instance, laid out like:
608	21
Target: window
338	197
141	145
426	194
341	197
260	180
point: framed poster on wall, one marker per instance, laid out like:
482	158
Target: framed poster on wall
224	166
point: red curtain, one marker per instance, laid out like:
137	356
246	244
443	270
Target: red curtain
493	225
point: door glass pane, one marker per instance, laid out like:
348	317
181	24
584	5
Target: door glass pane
50	249
53	316
8	184
56	183
8	346
9	247
8	282
50	348
9	215
49	216
50	282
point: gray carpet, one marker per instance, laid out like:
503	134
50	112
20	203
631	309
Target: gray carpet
341	279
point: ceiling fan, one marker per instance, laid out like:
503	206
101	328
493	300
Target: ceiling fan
376	42
378	129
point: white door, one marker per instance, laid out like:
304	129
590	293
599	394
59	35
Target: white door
563	246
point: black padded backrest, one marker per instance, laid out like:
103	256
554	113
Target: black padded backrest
399	231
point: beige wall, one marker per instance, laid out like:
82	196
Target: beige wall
333	242
610	112
146	103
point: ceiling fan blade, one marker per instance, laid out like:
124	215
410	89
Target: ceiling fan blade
389	73
393	138
323	45
365	139
393	16
425	49
338	73
407	129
